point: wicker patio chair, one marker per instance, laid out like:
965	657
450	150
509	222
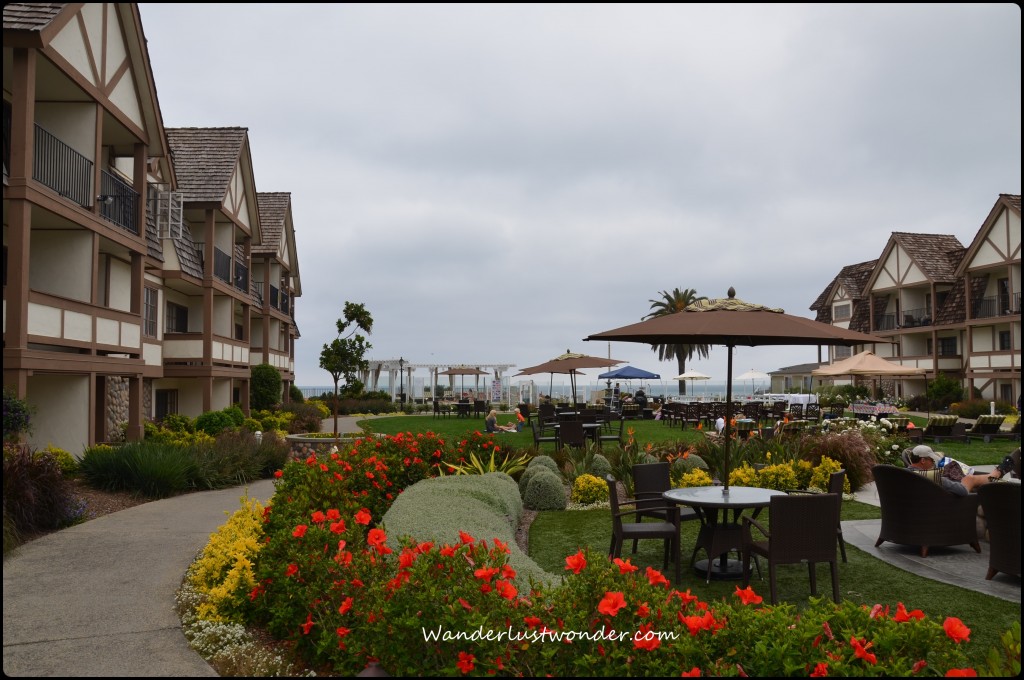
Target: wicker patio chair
1001	503
667	531
803	529
539	438
918	511
836	481
650	481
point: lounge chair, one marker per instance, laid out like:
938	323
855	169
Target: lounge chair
941	427
987	428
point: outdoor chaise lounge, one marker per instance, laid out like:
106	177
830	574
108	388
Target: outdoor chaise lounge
987	427
939	428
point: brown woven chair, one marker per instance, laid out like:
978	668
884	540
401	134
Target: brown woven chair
667	531
917	511
650	480
1001	502
803	529
835	486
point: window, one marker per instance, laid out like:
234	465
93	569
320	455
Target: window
166	403
841	312
177	319
149	298
841	352
1005	343
947	347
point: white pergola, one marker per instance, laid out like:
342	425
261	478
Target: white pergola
394	367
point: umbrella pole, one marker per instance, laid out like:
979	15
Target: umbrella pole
728	418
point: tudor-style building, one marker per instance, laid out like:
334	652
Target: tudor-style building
943	307
127	248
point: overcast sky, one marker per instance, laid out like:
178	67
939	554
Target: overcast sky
496	183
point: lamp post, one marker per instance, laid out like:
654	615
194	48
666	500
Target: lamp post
401	380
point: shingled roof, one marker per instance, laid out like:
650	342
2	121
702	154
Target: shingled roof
274	208
30	16
853	278
205	159
938	255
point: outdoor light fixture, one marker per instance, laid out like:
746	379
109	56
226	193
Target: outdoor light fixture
105	199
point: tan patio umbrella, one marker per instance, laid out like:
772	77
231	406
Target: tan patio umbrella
731	322
569	363
463	371
694	375
870	364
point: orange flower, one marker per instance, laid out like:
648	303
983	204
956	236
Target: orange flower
485	573
612	603
655	577
576	563
686	597
465	539
625	566
506	589
376	537
902	615
961	673
645	640
748	596
346	604
693	672
861	650
300	531
643	610
820	671
363	517
956	629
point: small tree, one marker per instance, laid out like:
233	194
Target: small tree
264	387
344	355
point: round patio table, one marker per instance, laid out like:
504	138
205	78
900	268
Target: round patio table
716	537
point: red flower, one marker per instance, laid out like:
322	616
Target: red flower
961	673
576	563
878	612
465	663
644	639
318	517
363	517
279	473
501	546
465	605
507	572
748	596
346	604
333	514
300	531
956	629
338	527
308	624
465	539
919	665
376	537
902	615
291	570
861	651
693	672
506	589
655	577
486	573
447	551
686	597
820	671
625	566
531	621
611	603
643	610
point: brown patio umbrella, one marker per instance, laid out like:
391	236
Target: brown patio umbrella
569	363
463	371
732	322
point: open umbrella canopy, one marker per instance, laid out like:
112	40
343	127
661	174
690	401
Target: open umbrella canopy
692	375
629	373
867	363
463	371
753	375
731	322
568	363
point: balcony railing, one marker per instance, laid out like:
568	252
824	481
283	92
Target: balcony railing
275	295
241	277
996	306
61	168
119	202
915	318
284	302
221	265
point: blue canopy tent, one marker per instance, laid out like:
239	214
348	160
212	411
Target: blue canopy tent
629	373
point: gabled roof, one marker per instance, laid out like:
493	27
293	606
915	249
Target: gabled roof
1010	202
853	278
205	160
274	208
937	255
31	16
797	369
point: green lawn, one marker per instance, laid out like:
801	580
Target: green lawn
554	535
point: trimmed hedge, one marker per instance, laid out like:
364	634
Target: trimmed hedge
486	506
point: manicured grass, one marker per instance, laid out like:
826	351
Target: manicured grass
864	579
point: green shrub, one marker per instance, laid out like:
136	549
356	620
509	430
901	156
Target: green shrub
264	387
821	473
545	492
215	422
695	477
529	473
600	467
546	461
65	461
176	422
304	417
588	489
17	416
944	390
973	408
779	477
154	470
272	453
295	395
252	425
744	475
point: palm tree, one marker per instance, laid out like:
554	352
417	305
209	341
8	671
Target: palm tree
673	302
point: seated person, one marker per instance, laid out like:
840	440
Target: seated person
492	426
640	398
952	477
